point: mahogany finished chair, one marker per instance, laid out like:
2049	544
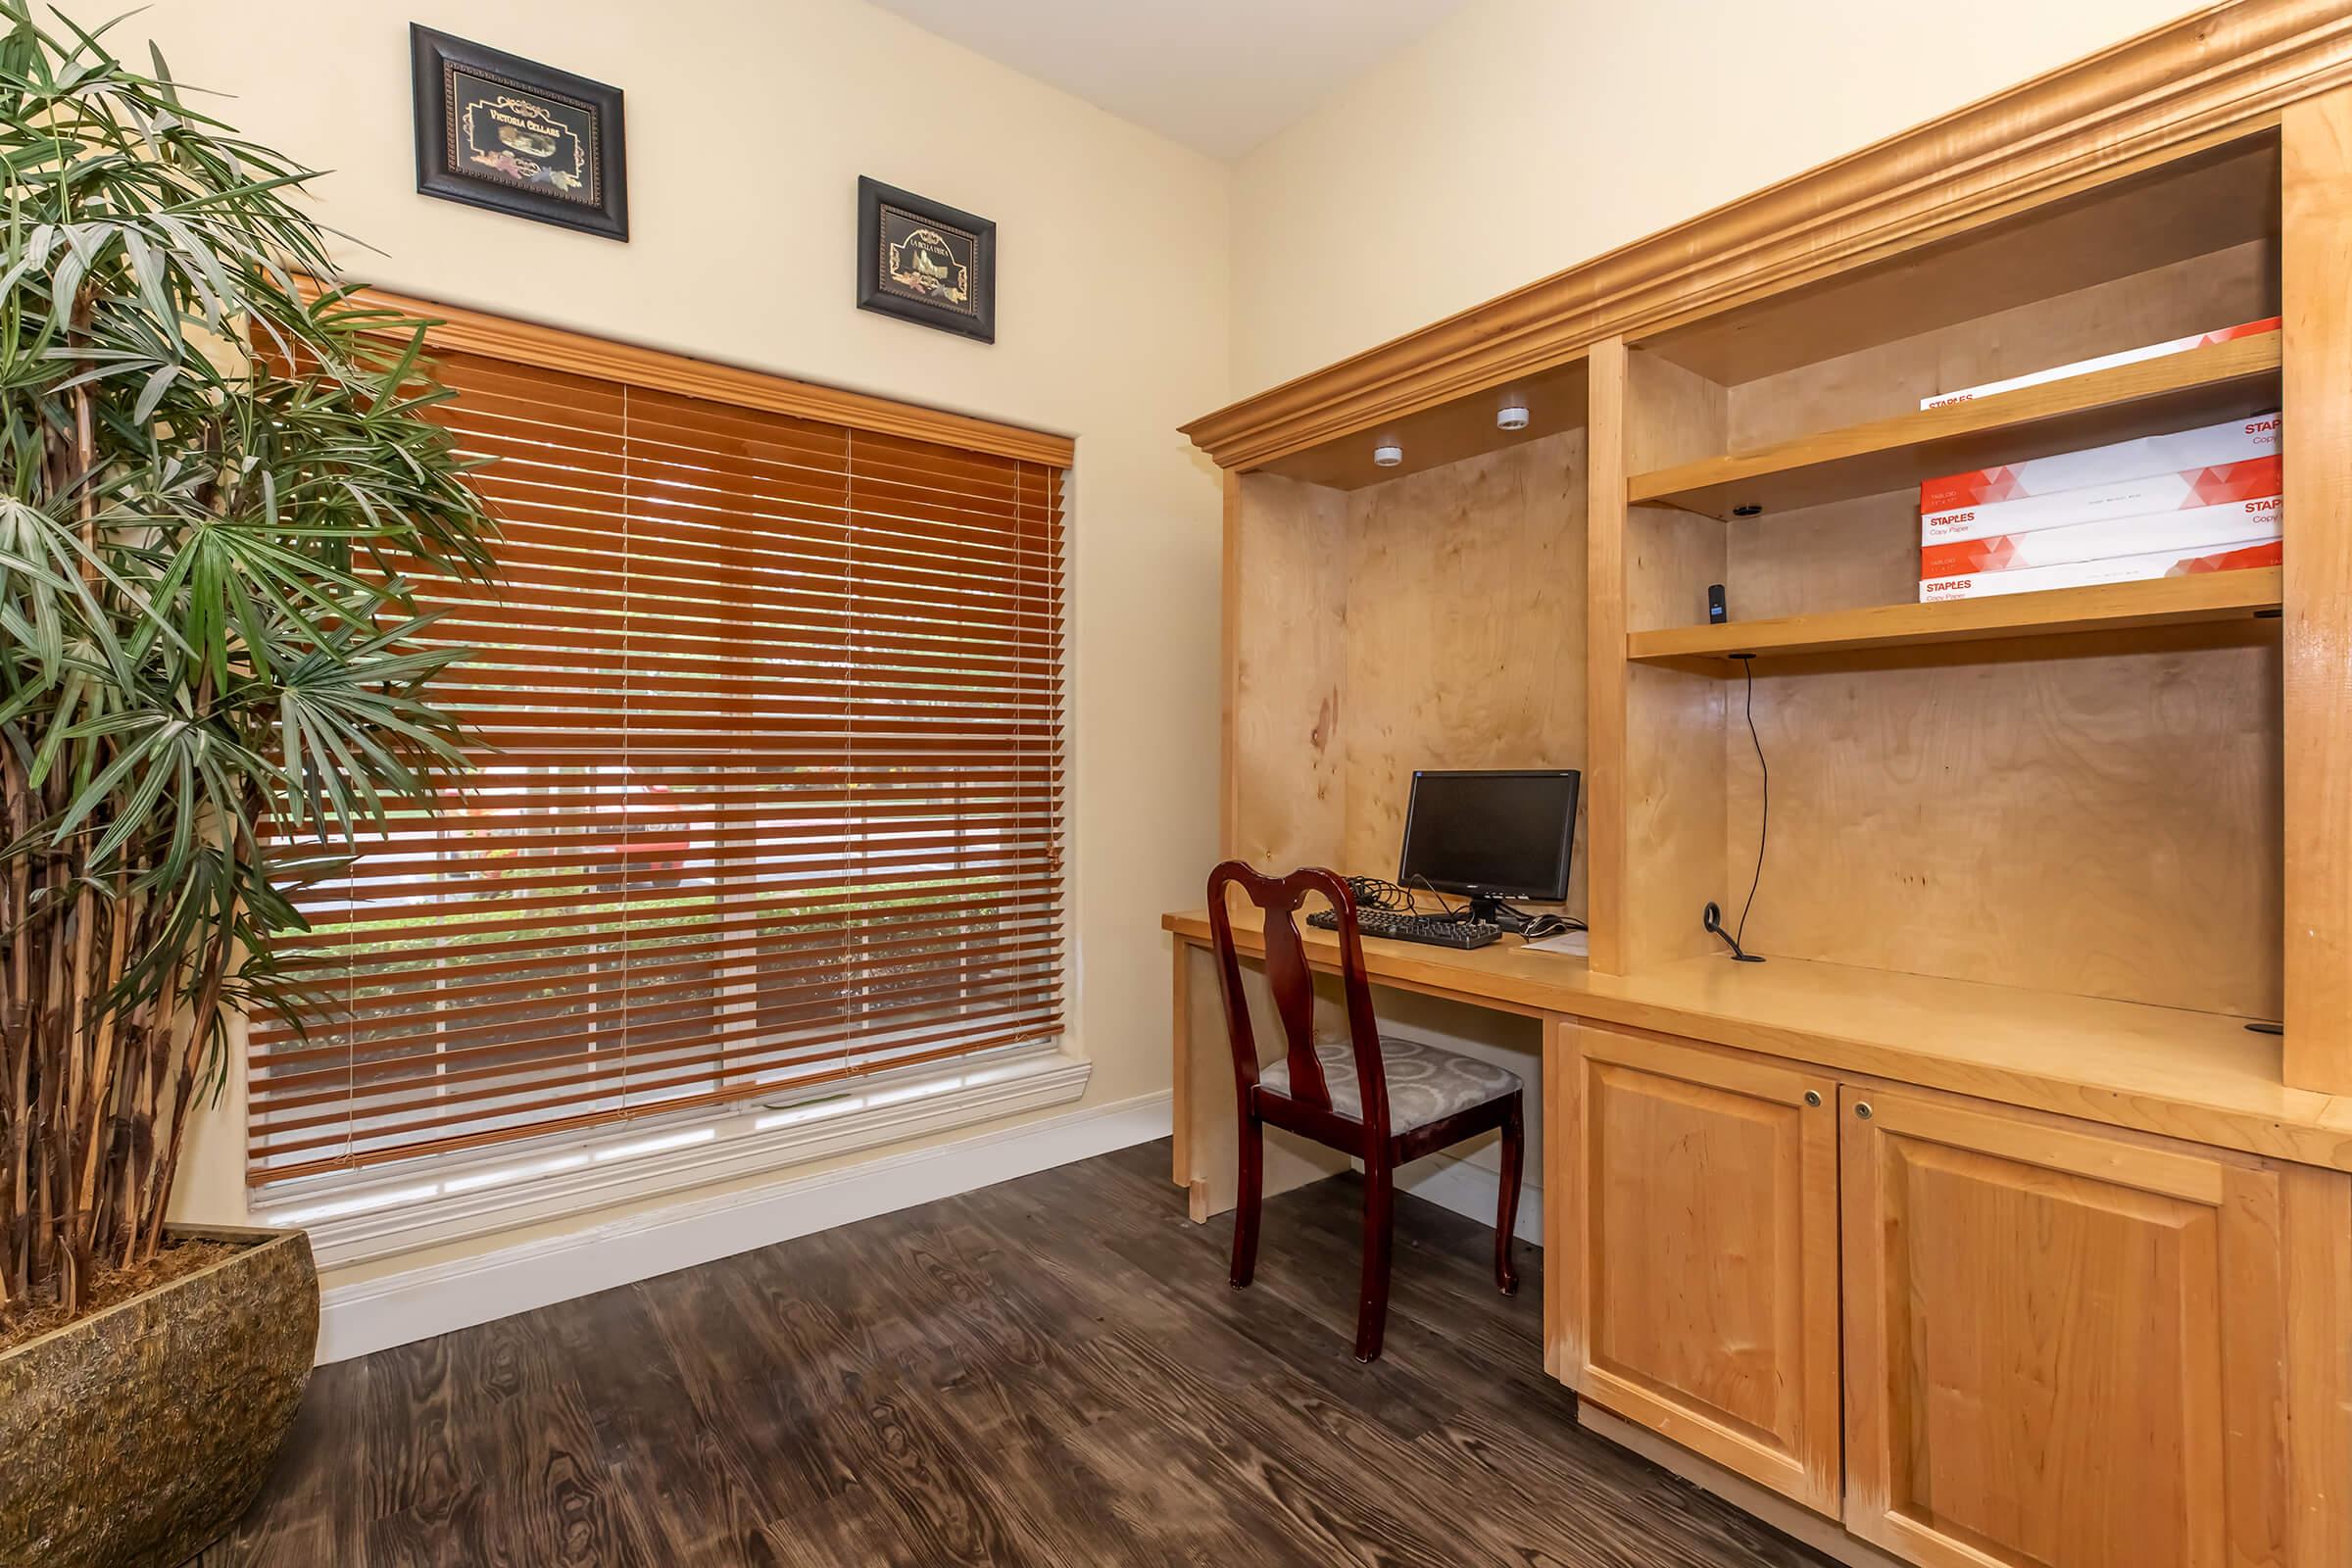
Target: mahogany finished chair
1385	1098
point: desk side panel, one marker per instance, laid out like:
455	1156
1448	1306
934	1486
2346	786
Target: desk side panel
1207	1158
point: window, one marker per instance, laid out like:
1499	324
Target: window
771	785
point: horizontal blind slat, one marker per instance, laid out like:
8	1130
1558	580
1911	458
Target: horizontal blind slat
769	791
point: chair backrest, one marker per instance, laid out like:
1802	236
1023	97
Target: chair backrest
1293	984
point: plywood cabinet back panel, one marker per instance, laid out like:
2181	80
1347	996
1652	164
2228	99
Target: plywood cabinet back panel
2105	824
2198	294
1844	555
1465	633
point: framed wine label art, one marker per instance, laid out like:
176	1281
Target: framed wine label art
496	130
924	261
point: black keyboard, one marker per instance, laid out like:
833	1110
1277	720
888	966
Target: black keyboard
1438	930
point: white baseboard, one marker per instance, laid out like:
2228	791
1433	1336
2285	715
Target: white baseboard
439	1200
1472	1190
420	1304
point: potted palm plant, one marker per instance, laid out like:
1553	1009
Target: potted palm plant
219	494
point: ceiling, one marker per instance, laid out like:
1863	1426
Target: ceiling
1220	75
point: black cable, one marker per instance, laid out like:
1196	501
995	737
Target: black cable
1447	909
1747	662
1559	922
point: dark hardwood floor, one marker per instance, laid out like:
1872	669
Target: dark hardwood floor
1050	1371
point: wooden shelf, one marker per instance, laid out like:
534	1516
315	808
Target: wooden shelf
2219	382
2117	606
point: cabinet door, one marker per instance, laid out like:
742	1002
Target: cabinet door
2063	1345
1702	1234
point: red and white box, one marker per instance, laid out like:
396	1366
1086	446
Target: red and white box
2210	446
2255	479
2092	573
2104	361
2196	532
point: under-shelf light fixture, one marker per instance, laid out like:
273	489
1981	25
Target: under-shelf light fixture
1511	417
1387	454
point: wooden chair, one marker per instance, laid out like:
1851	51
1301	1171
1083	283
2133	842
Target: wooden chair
1383	1099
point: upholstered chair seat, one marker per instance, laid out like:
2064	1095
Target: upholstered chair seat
1426	1084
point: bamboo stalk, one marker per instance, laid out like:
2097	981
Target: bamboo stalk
16	1027
154	1045
203	1020
81	921
47	1259
103	1077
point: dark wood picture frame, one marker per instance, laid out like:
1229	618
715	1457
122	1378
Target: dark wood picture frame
949	281
562	119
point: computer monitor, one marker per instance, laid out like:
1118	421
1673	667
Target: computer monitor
1490	834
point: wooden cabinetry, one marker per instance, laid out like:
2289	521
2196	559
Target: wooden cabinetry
2062	1345
1701	1252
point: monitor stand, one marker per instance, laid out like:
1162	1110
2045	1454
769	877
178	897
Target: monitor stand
1487	907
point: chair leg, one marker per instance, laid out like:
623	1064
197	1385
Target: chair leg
1515	1154
1248	1200
1372	1309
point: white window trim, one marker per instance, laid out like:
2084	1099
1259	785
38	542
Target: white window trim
450	1198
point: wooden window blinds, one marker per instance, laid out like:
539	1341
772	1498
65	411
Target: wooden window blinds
769	790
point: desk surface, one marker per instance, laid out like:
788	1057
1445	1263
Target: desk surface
2191	1075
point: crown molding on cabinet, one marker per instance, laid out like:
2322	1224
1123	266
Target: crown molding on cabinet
2220	74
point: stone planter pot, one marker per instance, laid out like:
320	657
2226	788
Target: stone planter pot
140	1434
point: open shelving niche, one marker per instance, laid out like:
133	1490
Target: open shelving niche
2074	795
1381	621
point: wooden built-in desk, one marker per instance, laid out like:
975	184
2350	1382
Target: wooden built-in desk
2161	1070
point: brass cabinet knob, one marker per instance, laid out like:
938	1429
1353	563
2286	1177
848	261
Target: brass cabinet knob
1862	1110
1812	1097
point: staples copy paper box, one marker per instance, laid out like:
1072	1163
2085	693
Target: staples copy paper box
2196	531
2208	446
2105	362
2089	573
2251	481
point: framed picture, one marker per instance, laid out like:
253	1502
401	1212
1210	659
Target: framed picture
495	130
926	262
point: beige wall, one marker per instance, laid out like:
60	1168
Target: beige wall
749	122
1523	136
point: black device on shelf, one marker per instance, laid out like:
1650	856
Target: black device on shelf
1490	835
1439	930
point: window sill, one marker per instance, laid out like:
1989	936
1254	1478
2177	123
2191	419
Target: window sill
436	1201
